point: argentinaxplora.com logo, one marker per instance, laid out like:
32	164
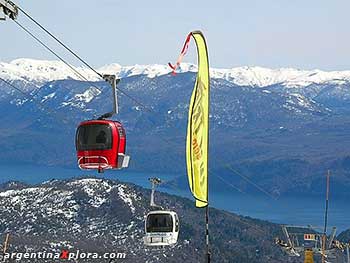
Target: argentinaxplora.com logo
62	255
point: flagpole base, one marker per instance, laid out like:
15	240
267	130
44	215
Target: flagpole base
208	257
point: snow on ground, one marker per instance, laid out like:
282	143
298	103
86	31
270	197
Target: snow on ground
127	198
96	188
40	70
50	96
87	95
42	199
81	99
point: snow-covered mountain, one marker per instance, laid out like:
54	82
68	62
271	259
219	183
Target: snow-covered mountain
97	216
41	71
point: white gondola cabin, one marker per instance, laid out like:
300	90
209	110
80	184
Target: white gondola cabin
162	228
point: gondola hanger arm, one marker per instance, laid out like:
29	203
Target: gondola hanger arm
113	81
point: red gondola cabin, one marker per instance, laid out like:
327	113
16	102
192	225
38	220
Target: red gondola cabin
100	145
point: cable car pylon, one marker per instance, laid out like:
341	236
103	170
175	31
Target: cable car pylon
324	237
8	8
314	242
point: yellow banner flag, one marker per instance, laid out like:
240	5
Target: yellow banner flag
198	122
198	127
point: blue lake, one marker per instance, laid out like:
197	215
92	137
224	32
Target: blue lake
286	210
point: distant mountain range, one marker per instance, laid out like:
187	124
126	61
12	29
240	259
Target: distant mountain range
281	129
41	71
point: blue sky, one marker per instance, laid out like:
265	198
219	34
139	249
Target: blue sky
304	34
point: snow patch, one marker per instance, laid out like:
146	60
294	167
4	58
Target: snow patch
47	97
81	99
88	95
95	189
126	197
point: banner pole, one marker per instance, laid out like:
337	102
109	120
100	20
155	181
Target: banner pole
207	233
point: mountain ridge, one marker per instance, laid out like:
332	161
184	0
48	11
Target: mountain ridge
95	214
44	70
